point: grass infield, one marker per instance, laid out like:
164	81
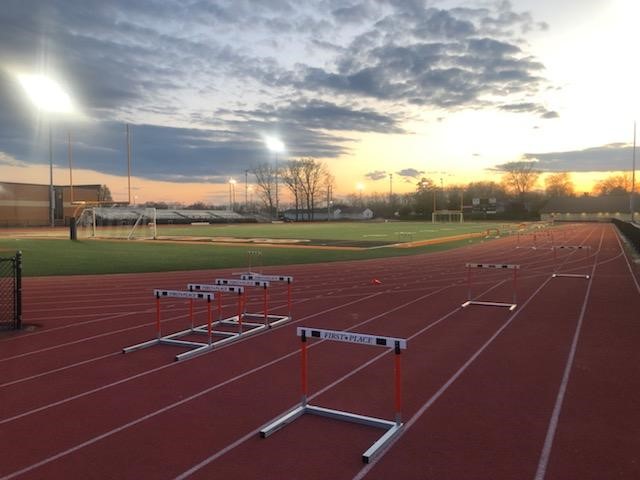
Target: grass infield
49	256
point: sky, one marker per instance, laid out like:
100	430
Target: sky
384	92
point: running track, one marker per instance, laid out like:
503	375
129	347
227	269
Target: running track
548	391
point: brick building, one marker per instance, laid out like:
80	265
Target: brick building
27	204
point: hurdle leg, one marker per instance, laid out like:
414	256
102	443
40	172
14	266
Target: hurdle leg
289	298
266	308
191	312
209	323
240	313
303	369
220	306
469	283
515	285
398	385
158	317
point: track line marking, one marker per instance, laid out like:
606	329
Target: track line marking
416	416
543	461
169	365
192	397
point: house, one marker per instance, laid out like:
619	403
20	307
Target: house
340	212
352	213
590	209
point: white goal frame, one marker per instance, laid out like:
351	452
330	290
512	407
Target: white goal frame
447	216
134	224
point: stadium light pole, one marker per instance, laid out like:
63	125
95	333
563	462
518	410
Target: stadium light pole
633	175
232	192
276	146
48	97
360	188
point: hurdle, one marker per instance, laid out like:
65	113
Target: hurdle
273	278
257	255
269	319
392	427
220	289
172	339
497	266
555	248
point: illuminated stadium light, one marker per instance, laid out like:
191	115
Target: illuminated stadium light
46	94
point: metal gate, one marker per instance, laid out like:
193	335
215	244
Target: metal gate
11	292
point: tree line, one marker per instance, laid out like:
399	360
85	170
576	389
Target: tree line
309	185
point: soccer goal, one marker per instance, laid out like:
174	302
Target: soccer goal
123	223
447	216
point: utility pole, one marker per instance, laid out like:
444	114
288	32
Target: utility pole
633	176
246	190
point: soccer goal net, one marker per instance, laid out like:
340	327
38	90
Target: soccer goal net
122	223
447	216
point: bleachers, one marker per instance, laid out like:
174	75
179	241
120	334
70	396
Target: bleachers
113	216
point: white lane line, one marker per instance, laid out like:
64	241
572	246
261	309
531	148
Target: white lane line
543	462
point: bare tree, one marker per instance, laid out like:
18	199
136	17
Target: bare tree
519	177
312	176
559	185
104	194
613	185
292	177
265	185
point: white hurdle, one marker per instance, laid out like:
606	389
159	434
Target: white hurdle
555	248
269	319
392	427
273	278
572	248
220	289
496	266
172	339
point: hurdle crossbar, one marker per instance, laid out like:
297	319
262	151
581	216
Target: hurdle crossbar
270	320
555	248
571	275
273	278
392	427
220	289
496	266
173	339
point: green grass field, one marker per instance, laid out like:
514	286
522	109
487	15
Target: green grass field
357	233
46	256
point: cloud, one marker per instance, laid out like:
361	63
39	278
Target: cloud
201	97
319	114
529	107
376	175
410	172
10	161
606	158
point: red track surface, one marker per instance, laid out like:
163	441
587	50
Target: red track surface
550	390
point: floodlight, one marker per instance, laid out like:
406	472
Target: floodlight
46	94
274	144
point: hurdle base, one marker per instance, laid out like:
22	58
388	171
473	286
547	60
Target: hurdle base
271	320
198	348
571	275
511	306
392	428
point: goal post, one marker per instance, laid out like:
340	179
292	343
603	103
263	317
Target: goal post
447	216
119	223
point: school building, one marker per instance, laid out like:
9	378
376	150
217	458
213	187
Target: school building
29	204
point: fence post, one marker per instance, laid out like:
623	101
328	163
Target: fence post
18	292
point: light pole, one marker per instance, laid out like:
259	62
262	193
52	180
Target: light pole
246	190
48	97
360	188
633	176
276	146
232	193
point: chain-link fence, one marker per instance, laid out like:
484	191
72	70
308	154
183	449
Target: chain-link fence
11	292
